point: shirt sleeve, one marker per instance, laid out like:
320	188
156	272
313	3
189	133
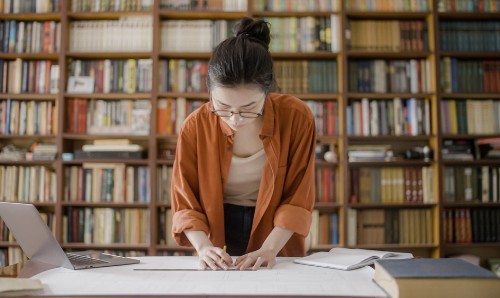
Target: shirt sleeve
186	208
295	210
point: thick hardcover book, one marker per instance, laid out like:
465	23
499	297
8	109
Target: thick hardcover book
435	278
80	154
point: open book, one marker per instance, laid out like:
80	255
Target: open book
349	258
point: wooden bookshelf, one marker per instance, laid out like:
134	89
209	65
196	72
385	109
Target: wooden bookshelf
343	97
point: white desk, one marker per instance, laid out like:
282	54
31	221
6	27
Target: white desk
285	279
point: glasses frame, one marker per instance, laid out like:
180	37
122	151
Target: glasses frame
231	113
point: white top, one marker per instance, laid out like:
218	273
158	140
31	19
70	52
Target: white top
242	186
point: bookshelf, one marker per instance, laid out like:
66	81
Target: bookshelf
338	76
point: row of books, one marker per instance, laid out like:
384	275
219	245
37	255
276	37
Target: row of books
399	76
326	117
96	116
163	182
30	37
23	117
115	75
392	185
30	6
181	75
379	226
469	36
387	35
165	227
29	76
32	184
387	5
106	225
472	184
313	76
470	76
324	229
128	34
468	5
297	5
470	116
193	35
107	183
304	34
389	117
11	255
326	181
171	113
471	225
111	5
219	5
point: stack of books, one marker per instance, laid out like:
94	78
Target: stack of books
110	149
370	153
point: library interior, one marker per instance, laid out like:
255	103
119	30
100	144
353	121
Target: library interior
405	95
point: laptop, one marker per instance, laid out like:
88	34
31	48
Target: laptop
38	243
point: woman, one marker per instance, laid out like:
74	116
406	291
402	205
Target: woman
243	176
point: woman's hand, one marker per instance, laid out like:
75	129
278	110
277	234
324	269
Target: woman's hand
214	258
257	259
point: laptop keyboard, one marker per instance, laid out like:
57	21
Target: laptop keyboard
79	260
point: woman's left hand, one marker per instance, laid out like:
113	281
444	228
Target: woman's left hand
256	259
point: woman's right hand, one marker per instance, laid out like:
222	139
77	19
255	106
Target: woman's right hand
214	258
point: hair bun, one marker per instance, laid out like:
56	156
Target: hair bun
255	29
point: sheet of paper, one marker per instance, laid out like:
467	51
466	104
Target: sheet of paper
285	278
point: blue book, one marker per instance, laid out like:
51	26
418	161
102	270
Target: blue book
435	278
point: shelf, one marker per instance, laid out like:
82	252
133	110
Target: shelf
55	16
386	15
395	163
28	137
163	205
174	247
394	246
392	206
8	244
480	162
28	96
470	204
124	161
193	15
165	162
110	55
189	95
479	16
68	136
109	96
112	15
30	56
471	55
126	246
185	55
105	205
469	137
28	162
327	206
470	245
261	14
357	95
325	164
308	55
471	96
388	138
388	54
316	96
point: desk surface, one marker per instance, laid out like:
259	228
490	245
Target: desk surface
285	279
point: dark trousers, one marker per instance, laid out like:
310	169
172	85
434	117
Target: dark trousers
238	225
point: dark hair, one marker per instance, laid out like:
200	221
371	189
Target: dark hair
243	58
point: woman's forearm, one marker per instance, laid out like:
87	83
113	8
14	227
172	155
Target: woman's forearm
198	239
277	239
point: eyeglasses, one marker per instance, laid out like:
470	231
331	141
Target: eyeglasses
226	114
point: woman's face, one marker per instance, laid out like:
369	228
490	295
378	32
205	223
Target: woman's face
245	99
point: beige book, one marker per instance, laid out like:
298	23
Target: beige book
8	284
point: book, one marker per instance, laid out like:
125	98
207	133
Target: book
349	258
435	278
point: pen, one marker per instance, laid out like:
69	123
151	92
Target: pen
222	259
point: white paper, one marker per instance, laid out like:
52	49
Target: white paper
286	278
